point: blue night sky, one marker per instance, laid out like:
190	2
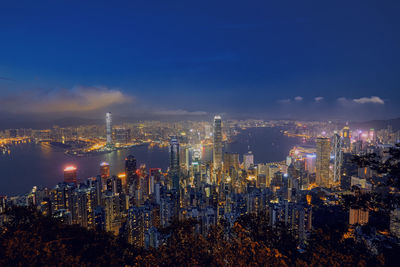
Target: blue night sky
274	59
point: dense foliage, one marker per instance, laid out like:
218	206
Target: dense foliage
32	239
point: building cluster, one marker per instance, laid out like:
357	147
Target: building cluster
139	202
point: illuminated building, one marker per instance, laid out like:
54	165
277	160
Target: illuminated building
272	170
362	183
196	167
310	163
154	177
61	197
231	160
263	174
109	128
207	131
358	216
85	204
3	202
188	151
104	173
338	157
296	217
70	175
365	172
116	185
217	151
371	135
112	212
322	161
248	160
357	147
346	137
174	168
130	171
122	176
139	222
99	218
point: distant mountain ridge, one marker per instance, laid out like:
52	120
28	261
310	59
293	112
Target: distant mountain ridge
42	123
378	124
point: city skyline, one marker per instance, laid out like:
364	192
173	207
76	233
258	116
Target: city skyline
200	133
309	179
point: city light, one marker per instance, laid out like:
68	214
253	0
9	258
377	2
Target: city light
251	133
70	168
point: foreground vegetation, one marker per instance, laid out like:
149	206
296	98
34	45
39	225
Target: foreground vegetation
31	239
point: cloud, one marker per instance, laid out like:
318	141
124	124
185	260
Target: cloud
318	99
343	100
180	112
5	78
288	100
77	99
284	101
367	100
362	100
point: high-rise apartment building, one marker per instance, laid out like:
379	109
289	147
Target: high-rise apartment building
130	172
231	160
322	161
248	160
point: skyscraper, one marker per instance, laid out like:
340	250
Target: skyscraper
217	151
70	175
196	166
248	160
231	160
310	162
346	136
322	161
372	135
174	162
109	128
337	153
104	173
130	171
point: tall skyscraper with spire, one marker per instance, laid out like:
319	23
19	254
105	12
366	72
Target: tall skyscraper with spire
174	168
322	161
217	151
109	128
